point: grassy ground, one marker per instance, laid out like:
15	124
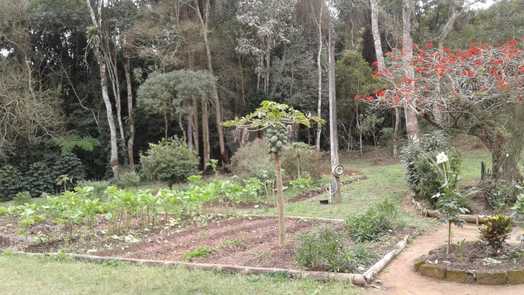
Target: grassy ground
22	275
46	276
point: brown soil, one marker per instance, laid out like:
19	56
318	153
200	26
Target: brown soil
477	256
400	278
247	242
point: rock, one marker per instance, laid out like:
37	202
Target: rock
516	277
419	261
432	270
491	278
460	276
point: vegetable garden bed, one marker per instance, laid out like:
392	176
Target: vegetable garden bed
244	245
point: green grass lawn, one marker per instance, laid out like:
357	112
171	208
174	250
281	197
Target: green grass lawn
47	276
24	275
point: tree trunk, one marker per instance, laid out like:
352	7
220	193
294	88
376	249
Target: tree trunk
130	116
206	152
336	195
319	72
395	132
97	22
204	18
407	58
196	133
111	121
381	65
280	202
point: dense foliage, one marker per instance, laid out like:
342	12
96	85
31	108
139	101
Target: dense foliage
170	160
423	177
326	250
496	230
374	223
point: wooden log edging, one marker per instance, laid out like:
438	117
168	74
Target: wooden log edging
376	268
355	279
469	218
324	276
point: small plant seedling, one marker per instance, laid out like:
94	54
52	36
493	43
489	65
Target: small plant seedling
201	251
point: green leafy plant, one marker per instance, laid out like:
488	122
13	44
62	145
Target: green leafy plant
324	249
22	198
375	222
201	251
449	201
496	230
128	179
422	176
170	160
302	183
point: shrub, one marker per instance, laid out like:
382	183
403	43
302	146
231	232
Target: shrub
422	177
253	160
10	182
41	176
301	160
22	198
496	231
302	183
499	194
170	160
374	222
519	206
324	250
128	179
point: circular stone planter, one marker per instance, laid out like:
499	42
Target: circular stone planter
484	277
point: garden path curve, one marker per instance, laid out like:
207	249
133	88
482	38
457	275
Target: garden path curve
399	278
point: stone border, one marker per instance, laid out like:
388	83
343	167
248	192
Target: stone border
355	279
469	218
447	273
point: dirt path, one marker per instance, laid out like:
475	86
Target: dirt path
399	278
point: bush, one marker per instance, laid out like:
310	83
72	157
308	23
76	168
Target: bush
302	183
496	230
422	177
253	160
9	182
128	178
170	160
499	194
324	250
22	198
41	176
374	222
301	160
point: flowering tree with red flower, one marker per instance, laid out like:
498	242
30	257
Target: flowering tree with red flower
479	91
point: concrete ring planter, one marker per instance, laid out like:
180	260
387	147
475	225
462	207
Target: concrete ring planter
448	273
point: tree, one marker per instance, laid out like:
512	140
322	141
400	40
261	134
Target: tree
96	35
268	24
409	72
203	16
374	7
274	119
336	194
480	89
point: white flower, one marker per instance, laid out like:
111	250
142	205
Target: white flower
442	158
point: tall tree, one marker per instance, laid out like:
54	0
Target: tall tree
202	12
336	195
96	36
374	7
409	71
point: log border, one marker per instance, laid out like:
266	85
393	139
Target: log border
356	279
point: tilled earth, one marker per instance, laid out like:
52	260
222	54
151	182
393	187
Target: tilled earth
241	241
